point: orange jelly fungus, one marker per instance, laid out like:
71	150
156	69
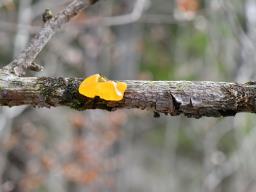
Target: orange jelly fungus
96	85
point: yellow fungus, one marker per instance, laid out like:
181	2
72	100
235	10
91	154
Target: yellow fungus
96	85
89	85
109	91
121	86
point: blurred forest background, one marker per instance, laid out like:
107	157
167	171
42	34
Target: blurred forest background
60	149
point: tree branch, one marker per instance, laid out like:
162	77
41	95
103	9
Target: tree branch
25	60
193	99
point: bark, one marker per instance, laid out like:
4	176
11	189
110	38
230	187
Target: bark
193	99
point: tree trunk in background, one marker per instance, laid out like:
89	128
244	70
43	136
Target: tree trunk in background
126	56
248	43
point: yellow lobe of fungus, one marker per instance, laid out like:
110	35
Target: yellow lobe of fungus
121	86
97	85
89	85
108	91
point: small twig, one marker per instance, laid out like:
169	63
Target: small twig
132	17
25	60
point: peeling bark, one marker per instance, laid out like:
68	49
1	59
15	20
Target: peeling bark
193	99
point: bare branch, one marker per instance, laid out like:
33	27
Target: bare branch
24	60
193	99
132	17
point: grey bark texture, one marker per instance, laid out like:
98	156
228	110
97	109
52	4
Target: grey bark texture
193	99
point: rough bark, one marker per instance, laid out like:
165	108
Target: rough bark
193	99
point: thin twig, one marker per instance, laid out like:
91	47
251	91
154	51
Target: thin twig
25	60
132	17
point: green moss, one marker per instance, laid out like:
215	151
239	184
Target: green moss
70	97
183	85
80	102
77	105
48	87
